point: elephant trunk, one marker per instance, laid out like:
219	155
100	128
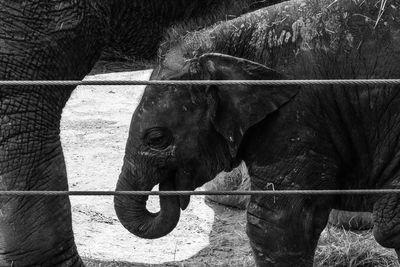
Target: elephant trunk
132	211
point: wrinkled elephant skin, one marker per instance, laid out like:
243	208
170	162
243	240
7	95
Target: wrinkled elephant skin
294	137
61	40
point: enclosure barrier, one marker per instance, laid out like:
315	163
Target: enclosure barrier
364	82
201	193
360	82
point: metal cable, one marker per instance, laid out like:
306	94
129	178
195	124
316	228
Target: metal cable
203	82
197	193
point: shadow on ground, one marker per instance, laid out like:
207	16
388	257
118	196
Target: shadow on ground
228	244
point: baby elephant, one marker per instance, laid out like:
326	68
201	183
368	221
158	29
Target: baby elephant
296	137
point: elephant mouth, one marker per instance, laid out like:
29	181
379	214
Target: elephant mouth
184	202
174	183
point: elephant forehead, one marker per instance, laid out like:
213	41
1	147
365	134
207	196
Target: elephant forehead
173	95
171	108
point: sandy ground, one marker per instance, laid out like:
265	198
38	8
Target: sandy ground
94	129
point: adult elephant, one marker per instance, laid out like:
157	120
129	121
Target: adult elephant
296	137
57	40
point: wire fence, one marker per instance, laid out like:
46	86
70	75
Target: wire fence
201	193
344	82
348	82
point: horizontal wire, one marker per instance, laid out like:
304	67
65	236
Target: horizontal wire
203	82
197	193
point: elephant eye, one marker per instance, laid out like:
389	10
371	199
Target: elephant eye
158	137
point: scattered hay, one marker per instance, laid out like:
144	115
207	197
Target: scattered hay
381	11
339	247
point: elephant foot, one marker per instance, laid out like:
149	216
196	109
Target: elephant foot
68	258
58	256
73	262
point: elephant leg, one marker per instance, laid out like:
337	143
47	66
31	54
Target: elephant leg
34	230
284	231
386	216
62	44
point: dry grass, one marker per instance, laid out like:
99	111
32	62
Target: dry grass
345	248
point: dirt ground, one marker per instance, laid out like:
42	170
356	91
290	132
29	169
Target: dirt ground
94	130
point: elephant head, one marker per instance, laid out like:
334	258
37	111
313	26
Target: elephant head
182	136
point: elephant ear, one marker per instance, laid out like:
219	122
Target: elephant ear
241	106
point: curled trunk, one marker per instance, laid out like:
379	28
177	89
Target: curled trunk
132	211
